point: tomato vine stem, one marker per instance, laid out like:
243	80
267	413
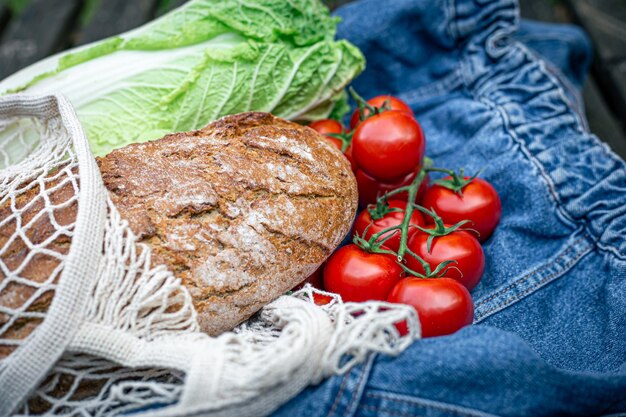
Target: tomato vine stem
375	244
344	137
440	228
408	212
456	182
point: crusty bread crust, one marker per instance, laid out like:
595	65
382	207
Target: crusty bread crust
42	267
241	211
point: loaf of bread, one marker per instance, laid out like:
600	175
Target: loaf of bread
241	211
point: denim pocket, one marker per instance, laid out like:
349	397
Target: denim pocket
526	284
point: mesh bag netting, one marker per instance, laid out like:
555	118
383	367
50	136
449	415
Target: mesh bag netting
89	327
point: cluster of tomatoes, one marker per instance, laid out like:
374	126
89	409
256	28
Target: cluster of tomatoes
416	242
379	167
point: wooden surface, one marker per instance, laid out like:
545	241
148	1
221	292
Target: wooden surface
112	17
24	41
45	27
605	21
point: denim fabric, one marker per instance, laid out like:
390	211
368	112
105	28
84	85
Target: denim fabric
549	337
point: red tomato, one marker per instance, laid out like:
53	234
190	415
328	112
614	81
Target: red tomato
479	203
402	327
389	220
378	101
348	155
442	304
460	246
316	280
370	189
358	276
388	146
326	126
321	299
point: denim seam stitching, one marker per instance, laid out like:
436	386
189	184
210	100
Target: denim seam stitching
555	82
538	285
540	167
552	191
367	366
482	98
366	370
433	404
514	284
377	410
331	413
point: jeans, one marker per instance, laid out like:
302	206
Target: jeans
491	93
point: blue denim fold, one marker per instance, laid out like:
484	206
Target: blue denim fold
491	93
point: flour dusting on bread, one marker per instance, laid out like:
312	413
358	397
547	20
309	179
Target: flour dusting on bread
241	210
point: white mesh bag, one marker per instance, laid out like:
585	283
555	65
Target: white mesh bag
106	332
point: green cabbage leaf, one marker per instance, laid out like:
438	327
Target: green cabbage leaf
204	60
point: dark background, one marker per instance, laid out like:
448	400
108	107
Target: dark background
33	29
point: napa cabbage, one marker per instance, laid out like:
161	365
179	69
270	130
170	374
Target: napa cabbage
204	60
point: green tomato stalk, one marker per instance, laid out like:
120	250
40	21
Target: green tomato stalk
440	228
345	138
375	244
456	182
363	105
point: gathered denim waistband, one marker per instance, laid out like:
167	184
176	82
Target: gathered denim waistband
585	178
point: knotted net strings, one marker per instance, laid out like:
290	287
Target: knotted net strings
124	337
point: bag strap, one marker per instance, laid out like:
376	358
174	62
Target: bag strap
28	365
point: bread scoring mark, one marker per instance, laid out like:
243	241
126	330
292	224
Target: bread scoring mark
299	148
282	145
191	197
180	242
248	251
